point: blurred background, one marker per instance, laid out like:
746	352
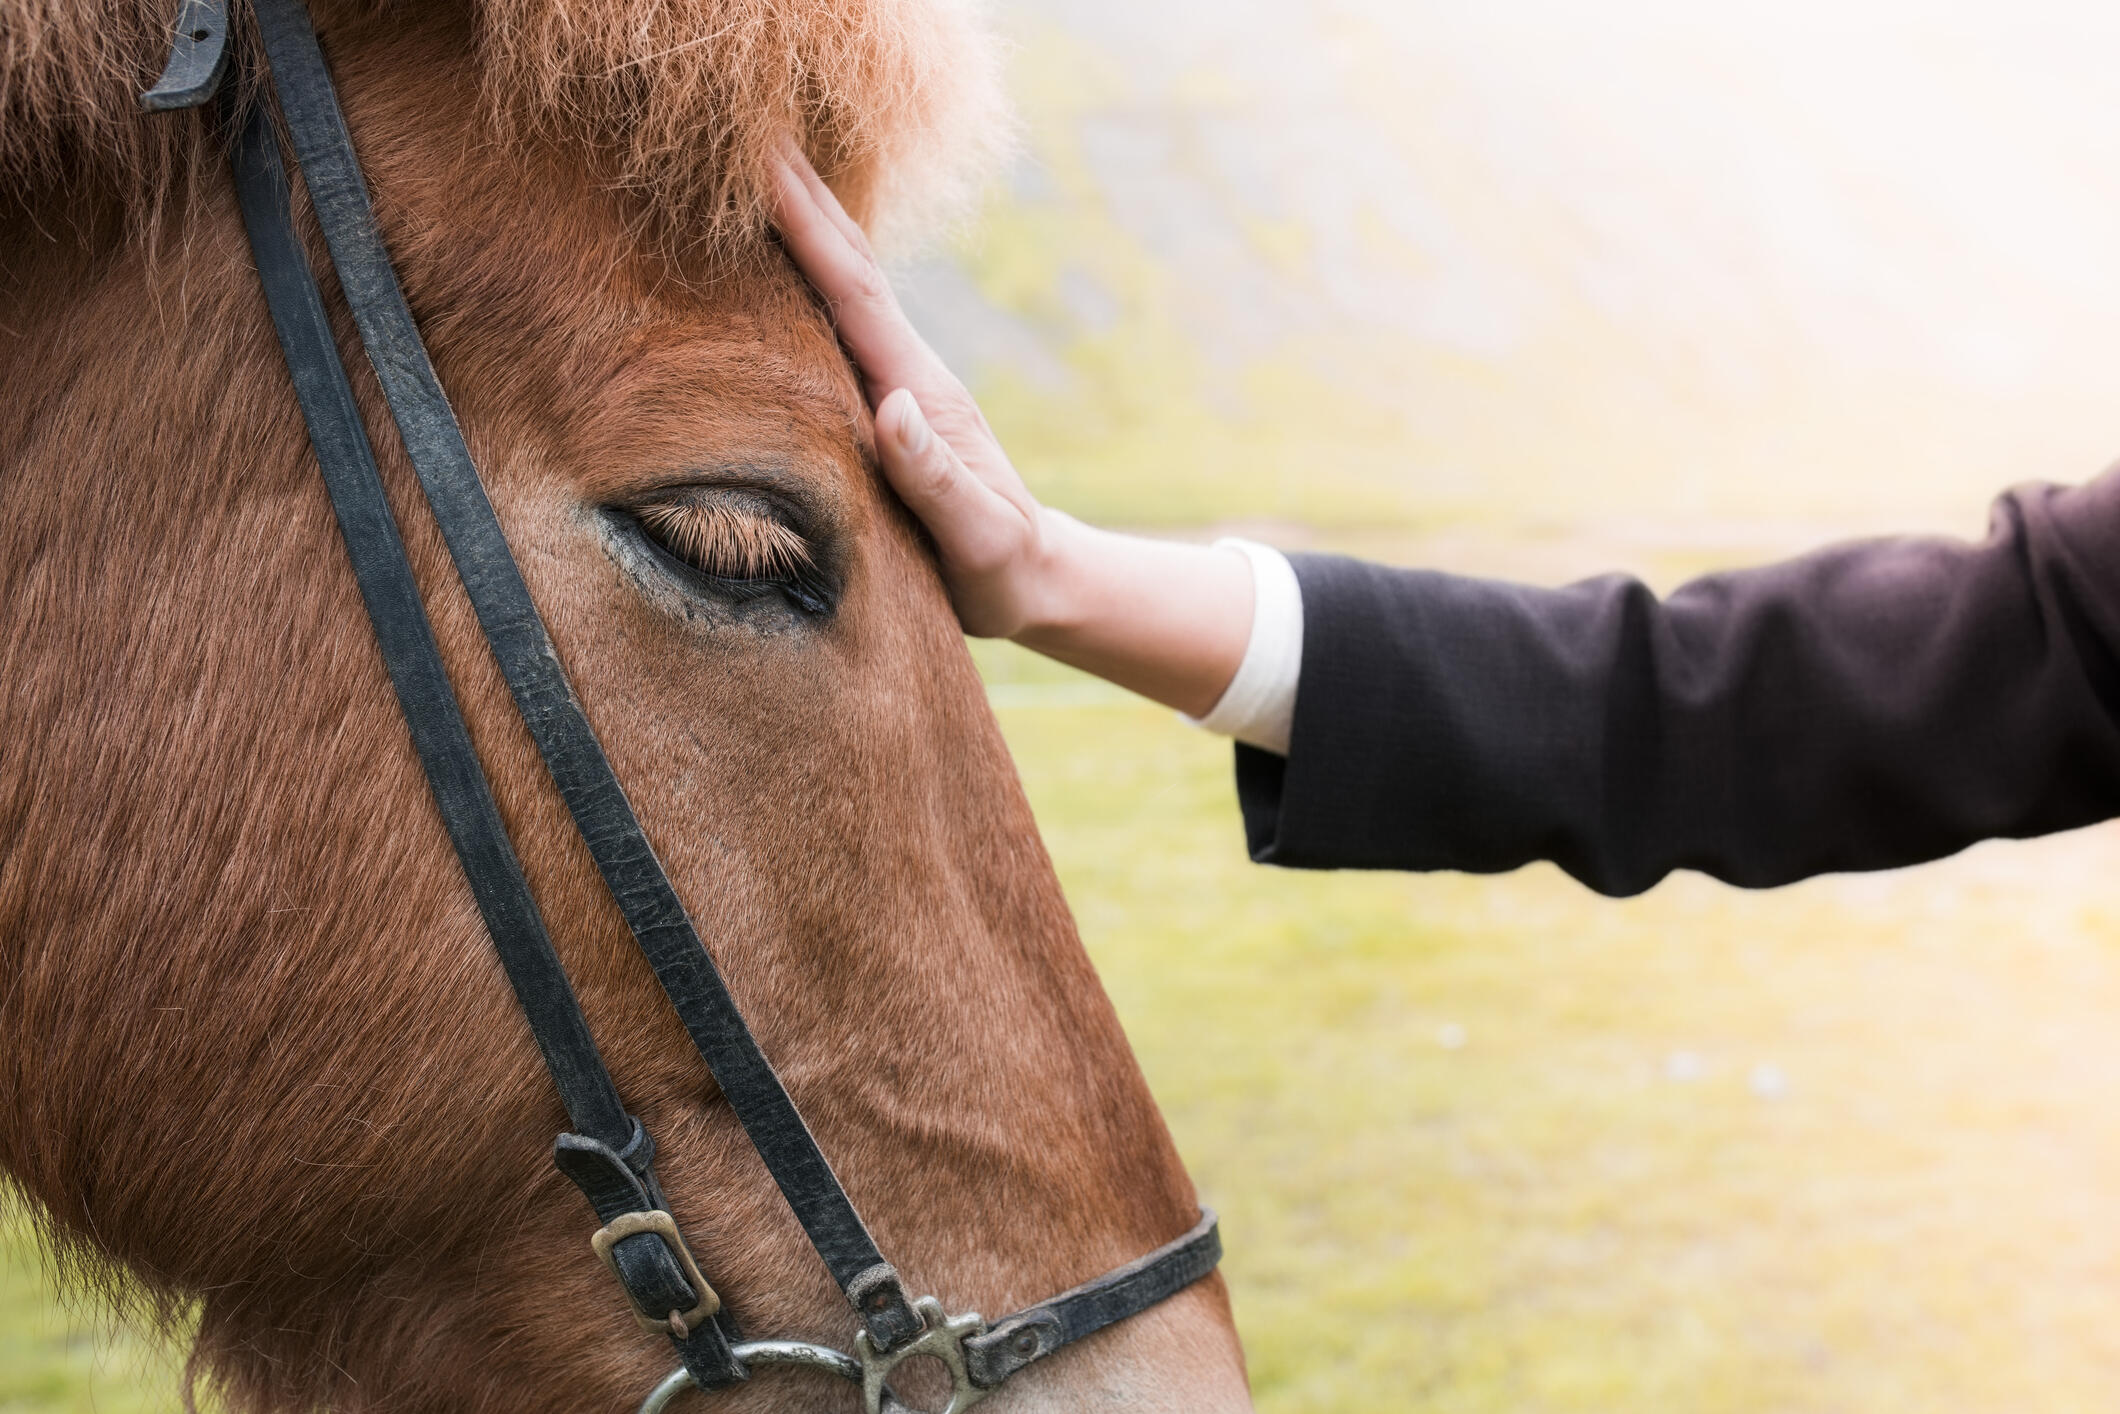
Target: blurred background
1543	290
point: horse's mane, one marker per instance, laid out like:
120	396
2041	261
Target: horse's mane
896	101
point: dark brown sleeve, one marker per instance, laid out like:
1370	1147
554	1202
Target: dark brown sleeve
1872	705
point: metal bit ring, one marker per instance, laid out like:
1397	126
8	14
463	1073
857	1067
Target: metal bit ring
763	1352
943	1340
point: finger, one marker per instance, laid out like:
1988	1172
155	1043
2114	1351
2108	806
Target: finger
834	263
884	343
826	199
974	526
836	259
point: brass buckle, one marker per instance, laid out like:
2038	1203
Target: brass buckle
655	1220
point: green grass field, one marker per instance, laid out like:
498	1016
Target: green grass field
53	1358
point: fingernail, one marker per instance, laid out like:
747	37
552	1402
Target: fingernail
913	431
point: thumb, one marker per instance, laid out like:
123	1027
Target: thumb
976	529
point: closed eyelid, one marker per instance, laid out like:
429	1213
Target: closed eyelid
728	541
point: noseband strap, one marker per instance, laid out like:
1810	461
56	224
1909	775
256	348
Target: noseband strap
610	1155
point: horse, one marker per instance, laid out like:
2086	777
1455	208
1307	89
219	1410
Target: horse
264	1080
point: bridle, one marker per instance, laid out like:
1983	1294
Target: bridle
607	1152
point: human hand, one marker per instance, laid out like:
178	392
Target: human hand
1168	620
992	537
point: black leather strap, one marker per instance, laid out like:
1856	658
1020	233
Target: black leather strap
428	703
611	1158
1037	1331
400	619
546	699
198	57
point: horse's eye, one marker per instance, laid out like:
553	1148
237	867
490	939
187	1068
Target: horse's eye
733	545
724	541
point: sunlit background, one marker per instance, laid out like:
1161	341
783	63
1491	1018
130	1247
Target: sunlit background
1541	290
1387	261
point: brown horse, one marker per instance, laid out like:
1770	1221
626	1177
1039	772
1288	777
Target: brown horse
257	1053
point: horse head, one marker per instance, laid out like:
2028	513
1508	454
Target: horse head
259	1054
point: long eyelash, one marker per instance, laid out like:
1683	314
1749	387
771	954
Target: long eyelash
726	542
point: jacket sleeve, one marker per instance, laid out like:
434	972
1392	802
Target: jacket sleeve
1872	705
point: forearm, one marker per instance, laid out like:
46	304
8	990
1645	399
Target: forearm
1163	618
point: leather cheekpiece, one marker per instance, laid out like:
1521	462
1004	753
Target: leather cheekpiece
610	1157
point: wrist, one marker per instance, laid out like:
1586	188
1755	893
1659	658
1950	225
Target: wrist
1057	582
1163	618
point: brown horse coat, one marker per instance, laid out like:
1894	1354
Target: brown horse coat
254	1046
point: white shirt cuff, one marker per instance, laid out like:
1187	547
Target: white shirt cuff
1259	705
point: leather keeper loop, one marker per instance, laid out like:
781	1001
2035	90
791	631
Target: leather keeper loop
878	1298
